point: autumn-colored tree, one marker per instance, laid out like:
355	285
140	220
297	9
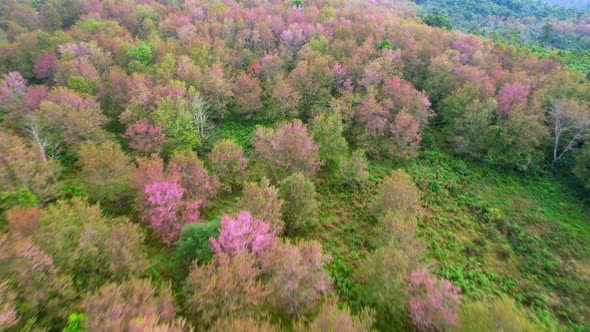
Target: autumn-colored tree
512	97
8	314
434	304
12	91
217	91
286	150
33	98
23	221
152	323
298	280
139	93
118	307
44	294
225	288
25	167
333	318
148	170
262	200
113	92
193	176
396	194
46	65
399	94
246	93
68	118
312	77
500	314
106	172
406	139
285	98
229	163
245	324
146	138
300	205
92	248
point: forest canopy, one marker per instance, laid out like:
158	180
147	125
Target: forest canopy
290	165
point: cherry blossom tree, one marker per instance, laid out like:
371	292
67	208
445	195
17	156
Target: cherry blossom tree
46	65
243	234
298	279
116	307
167	210
193	176
406	139
434	304
146	138
286	150
512	97
246	93
225	287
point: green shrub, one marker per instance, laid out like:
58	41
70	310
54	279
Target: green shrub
194	244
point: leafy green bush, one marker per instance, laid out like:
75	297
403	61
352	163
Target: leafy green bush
193	244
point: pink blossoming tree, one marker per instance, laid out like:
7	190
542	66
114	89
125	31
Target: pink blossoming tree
286	150
434	304
167	211
243	233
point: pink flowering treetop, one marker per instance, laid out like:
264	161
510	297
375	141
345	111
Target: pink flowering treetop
46	65
13	83
399	94
12	90
434	304
243	233
288	149
298	279
146	138
33	98
405	135
512	97
167	211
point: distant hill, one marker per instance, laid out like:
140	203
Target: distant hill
521	21
570	3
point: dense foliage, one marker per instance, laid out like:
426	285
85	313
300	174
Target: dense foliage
291	165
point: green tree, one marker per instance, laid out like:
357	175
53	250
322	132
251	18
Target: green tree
193	244
177	124
141	52
501	314
88	246
107	173
582	168
438	21
300	205
327	132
